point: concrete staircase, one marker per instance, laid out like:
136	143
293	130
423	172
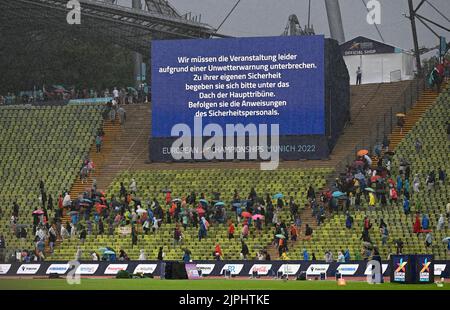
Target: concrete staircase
412	116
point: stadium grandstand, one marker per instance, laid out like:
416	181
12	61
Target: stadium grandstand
79	179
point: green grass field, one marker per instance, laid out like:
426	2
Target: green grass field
217	284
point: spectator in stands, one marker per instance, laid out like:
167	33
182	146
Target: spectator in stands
142	255
308	232
425	222
244	250
441	222
428	240
401	123
349	221
123	256
94	256
122	115
293	232
64	232
431	178
406	207
347	255
328	256
218	252
305	255
441	176
98	143
161	254
186	255
418	145
231	230
2	248
341	257
358	76
16	209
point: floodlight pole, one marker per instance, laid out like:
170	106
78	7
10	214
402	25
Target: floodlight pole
412	17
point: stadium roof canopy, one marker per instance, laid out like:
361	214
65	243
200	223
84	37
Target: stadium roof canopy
131	28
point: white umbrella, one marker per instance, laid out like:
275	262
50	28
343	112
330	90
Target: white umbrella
446	239
140	211
369	160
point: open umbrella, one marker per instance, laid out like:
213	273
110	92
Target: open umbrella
359	176
343	197
109	252
400	115
337	194
369	189
258	216
362	152
38	212
246	214
279	195
446	239
391	153
219	204
204	201
73	212
141	211
176	200
281	236
374	178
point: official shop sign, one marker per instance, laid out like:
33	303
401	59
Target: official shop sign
347	269
4	268
58	268
115	268
206	269
234	269
317	269
289	269
261	269
87	269
145	268
28	269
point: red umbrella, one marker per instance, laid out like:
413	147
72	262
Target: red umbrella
362	152
258	216
99	207
246	214
38	212
374	178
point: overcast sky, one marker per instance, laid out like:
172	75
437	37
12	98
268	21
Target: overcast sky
269	17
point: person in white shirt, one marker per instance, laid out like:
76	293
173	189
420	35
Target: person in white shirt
64	232
66	201
116	93
94	256
441	222
341	257
142	255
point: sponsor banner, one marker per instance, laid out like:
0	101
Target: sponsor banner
87	269
115	268
317	269
289	269
439	269
58	268
365	46
145	268
90	100
261	269
206	269
347	269
368	270
28	269
234	269
4	268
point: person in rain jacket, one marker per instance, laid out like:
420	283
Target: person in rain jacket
406	205
425	222
305	254
347	255
349	221
417	227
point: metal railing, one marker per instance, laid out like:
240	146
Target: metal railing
383	125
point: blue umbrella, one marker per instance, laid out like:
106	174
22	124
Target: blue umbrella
109	252
279	195
86	200
337	194
204	202
218	204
